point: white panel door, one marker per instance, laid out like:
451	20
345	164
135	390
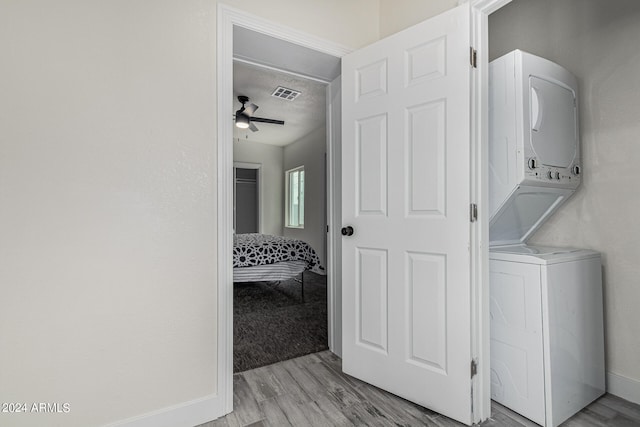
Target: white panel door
406	194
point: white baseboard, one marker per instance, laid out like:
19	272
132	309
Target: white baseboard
626	388
187	414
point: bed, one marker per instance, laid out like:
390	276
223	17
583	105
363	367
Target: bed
266	258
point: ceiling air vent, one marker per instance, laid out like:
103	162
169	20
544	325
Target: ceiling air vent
284	93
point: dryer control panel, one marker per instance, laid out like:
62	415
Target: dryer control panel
536	173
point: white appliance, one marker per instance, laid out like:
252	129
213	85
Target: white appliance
547	340
534	149
547	345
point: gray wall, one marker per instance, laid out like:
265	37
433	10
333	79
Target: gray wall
599	42
309	151
272	181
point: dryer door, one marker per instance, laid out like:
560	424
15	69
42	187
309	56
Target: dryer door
554	123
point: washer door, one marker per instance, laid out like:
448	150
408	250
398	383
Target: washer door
554	123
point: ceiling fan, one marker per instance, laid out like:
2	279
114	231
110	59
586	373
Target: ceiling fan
244	116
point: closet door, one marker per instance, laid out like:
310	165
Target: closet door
246	201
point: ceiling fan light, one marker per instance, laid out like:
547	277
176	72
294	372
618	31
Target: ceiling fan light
242	121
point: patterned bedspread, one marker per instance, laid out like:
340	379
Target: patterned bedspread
261	249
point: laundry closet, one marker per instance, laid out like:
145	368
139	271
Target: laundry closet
547	339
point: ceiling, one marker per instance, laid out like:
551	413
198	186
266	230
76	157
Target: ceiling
301	116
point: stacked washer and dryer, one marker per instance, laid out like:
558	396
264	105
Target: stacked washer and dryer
547	339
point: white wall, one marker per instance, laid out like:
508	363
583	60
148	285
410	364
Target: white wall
272	181
309	152
106	207
107	198
353	23
397	15
598	42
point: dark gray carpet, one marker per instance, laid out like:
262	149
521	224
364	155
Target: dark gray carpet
272	324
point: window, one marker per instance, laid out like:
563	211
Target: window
294	208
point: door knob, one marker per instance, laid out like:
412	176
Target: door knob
347	231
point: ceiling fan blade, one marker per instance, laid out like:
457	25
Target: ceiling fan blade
263	120
250	109
253	127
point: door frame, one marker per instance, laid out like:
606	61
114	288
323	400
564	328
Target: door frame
227	17
481	383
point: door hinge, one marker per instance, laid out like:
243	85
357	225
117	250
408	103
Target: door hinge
474	368
473	212
473	57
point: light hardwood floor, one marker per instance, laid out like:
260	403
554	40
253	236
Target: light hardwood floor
312	391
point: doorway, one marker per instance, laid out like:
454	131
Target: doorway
279	314
312	58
